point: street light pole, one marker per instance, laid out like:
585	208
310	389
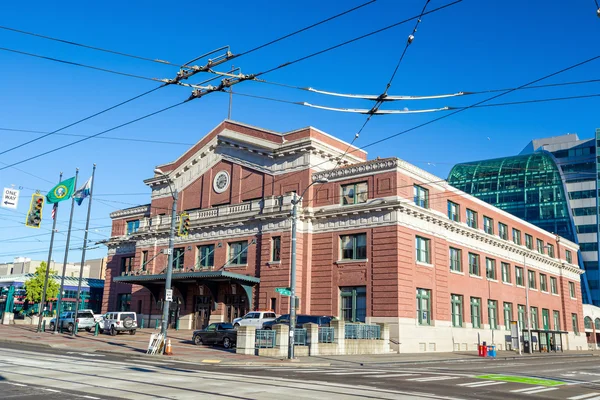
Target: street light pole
527	310
295	201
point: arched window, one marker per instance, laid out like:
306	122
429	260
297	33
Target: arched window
587	321
597	322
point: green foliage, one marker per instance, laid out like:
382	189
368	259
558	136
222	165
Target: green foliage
35	285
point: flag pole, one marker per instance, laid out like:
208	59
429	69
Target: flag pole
64	269
85	236
43	300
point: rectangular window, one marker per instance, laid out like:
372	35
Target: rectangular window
276	248
502	231
133	226
488	225
493	314
534	317
521	315
516	236
553	285
490	268
556	316
126	265
206	256
550	248
178	257
505	272
124	302
353	303
545	319
508	315
543	283
457	310
519	276
354	247
455	259
472	218
569	256
476	312
531	279
529	241
424	306
540	246
575	324
474	264
144	260
238	253
453	211
572	289
355	193
423	250
421	196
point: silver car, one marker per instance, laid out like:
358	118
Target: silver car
84	320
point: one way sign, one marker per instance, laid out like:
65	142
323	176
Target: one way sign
10	198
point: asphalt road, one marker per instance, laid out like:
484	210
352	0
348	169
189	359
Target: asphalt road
108	376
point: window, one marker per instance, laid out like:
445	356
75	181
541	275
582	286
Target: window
488	225
569	256
553	285
453	211
493	314
355	193
545	319
572	289
457	310
423	250
540	245
531	279
474	264
144	260
421	196
516	236
587	323
556	316
354	247
472	218
534	317
124	302
597	324
575	323
238	253
543	283
276	248
505	272
508	315
519	276
476	312
353	303
206	256
423	306
455	259
529	241
490	268
521	315
126	265
133	226
178	257
550	250
502	231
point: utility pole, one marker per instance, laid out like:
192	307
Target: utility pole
528	314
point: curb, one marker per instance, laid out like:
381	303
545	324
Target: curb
473	359
5	340
272	364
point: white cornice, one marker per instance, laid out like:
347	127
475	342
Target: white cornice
130	212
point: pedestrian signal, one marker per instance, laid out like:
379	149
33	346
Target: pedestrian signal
34	216
184	224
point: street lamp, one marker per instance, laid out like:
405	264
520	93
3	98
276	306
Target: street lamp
165	317
295	201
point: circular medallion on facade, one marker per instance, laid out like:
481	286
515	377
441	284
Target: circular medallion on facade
221	181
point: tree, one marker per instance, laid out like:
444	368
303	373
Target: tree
35	285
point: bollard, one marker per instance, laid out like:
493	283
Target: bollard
97	329
76	327
142	324
177	325
156	327
43	326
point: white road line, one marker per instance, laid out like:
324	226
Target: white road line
390	375
474	383
541	390
91	397
528	389
15	384
51	390
589	396
352	373
433	378
480	384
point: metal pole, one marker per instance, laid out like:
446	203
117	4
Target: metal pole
293	280
526	278
85	236
43	300
165	318
64	269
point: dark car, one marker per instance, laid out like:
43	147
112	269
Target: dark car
216	333
300	320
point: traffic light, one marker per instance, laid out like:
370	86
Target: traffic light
184	224
34	216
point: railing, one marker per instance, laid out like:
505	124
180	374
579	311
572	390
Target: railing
360	331
264	339
300	337
326	335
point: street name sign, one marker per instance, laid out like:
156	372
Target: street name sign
169	295
10	198
284	291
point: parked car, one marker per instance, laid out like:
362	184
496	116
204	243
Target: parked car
216	333
97	317
300	320
115	322
85	320
255	319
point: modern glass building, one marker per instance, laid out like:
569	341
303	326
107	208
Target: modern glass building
552	184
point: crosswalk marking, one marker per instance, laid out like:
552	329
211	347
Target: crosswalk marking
589	396
528	389
352	373
541	390
433	378
479	384
390	375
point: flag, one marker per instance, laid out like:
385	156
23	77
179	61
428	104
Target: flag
54	211
83	192
63	191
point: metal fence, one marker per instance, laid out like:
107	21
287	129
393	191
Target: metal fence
300	337
326	335
264	339
361	331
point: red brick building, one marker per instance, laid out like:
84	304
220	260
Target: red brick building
381	241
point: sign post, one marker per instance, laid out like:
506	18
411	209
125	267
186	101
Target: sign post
10	198
169	295
284	291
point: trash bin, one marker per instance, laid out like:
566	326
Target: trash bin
480	350
485	352
526	348
491	351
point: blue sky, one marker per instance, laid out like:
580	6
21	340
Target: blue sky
471	46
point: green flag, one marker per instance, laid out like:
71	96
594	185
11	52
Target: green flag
63	191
